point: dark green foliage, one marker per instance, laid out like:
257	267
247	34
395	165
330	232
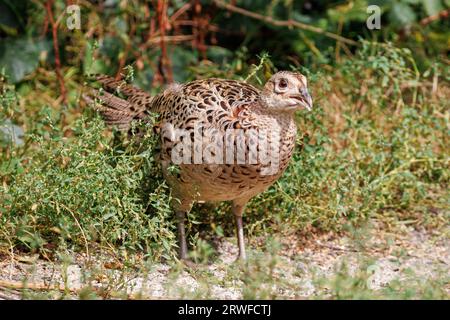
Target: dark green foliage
374	147
20	56
380	156
83	190
110	24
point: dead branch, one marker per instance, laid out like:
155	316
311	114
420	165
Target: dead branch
179	12
284	23
19	285
172	39
440	15
165	66
54	24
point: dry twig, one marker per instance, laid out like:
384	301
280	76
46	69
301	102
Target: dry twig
284	23
165	66
19	285
54	24
440	15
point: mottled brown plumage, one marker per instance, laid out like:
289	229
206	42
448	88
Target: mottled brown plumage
216	105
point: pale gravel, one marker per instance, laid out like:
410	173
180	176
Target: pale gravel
392	255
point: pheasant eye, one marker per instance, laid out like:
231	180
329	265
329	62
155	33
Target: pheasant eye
283	84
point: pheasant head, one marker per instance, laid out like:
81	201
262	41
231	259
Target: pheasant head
286	91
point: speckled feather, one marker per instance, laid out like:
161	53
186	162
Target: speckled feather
217	104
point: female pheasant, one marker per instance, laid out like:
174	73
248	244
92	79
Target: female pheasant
230	140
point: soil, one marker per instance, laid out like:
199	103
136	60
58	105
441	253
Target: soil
391	256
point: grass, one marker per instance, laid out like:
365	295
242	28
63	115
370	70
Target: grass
364	155
83	191
374	148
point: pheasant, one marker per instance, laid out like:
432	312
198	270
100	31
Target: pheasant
250	136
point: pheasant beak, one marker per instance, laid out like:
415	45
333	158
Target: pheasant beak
303	99
307	101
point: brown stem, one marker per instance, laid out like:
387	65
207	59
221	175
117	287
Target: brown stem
179	12
169	39
18	285
166	70
54	24
438	16
199	27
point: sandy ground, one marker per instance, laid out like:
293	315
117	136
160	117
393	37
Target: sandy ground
297	265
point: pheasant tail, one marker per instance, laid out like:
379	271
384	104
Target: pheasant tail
119	103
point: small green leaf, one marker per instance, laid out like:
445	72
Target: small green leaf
20	56
402	14
432	7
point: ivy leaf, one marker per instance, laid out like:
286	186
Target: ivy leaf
401	14
432	7
20	56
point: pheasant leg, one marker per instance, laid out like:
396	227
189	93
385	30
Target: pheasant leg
238	210
182	235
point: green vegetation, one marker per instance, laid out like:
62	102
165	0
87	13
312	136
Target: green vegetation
375	147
